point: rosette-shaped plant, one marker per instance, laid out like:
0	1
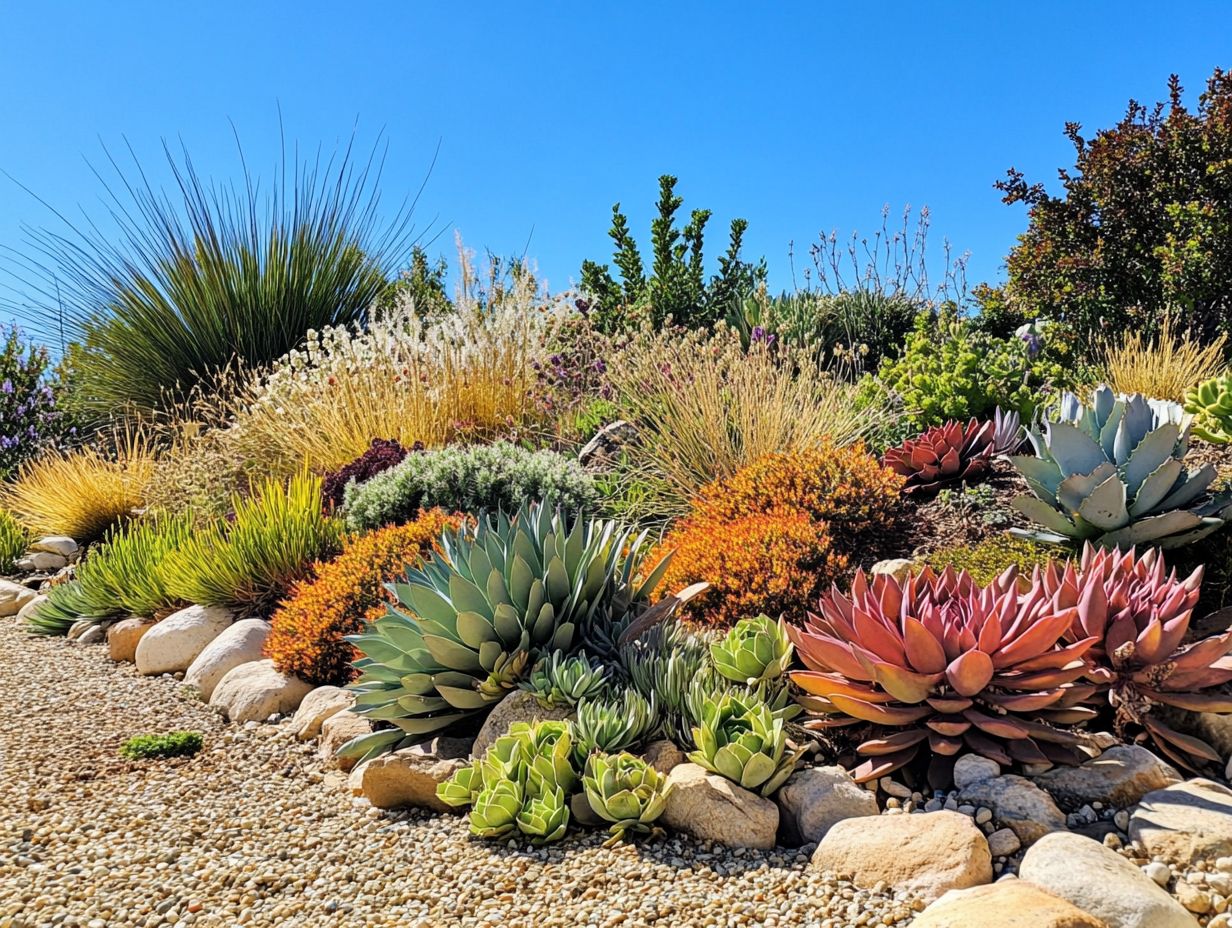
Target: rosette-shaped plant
740	738
1138	614
611	725
467	620
626	791
563	680
940	663
1112	473
1211	405
496	809
944	454
754	651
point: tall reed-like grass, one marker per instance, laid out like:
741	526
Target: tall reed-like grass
83	492
706	407
1165	366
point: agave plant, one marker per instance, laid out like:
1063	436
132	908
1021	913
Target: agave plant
563	680
467	621
1211	405
611	725
938	662
741	739
953	452
1138	614
666	663
626	791
1111	473
754	651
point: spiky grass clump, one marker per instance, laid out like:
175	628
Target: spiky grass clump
84	492
307	633
251	562
206	275
1162	367
13	541
121	575
172	744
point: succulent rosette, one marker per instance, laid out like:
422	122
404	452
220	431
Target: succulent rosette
953	452
941	664
626	791
754	651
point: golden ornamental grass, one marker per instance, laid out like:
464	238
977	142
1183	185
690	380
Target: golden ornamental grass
82	493
1163	367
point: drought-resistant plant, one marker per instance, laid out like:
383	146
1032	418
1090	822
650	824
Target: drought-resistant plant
949	370
30	418
121	575
469	621
988	559
705	408
561	680
467	375
172	744
626	791
1165	366
666	663
1113	473
941	664
308	631
473	478
381	455
250	562
953	452
753	652
613	724
1142	223
740	738
677	289
81	493
13	541
206	275
1137	614
1210	403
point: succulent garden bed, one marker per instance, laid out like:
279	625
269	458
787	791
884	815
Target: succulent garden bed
663	602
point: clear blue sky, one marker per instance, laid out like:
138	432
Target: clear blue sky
799	117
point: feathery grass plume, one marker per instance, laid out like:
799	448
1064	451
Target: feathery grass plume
203	274
250	562
121	575
83	492
1162	367
706	407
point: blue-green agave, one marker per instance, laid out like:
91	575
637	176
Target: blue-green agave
1112	473
469	621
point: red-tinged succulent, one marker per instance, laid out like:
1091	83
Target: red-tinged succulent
1139	613
939	663
952	452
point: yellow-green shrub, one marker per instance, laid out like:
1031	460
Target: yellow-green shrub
989	558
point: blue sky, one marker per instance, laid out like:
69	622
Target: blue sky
800	117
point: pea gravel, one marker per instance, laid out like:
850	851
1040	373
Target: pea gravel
252	831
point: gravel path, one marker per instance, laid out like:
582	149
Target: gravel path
252	832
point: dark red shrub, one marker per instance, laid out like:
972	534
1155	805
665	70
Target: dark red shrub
383	454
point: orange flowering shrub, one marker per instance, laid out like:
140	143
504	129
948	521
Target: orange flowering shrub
306	634
774	536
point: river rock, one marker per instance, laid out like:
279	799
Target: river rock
1017	803
815	799
663	756
254	691
336	731
240	643
40	560
318	706
713	808
13	596
1186	822
56	544
518	706
1004	904
28	611
896	567
174	643
1120	777
925	855
409	777
1101	882
123	636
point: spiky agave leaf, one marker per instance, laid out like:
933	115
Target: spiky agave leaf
1138	613
467	620
667	662
939	663
565	680
945	454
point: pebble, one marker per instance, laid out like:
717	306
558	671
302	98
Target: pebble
1158	872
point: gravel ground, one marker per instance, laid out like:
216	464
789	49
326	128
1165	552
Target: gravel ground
252	832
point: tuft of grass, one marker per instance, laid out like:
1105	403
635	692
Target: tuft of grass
84	492
1165	366
14	539
172	744
250	562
